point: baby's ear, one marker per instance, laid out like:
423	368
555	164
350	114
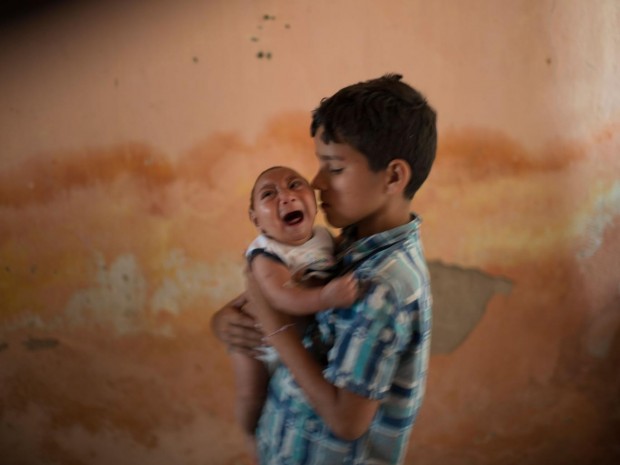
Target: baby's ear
398	175
253	218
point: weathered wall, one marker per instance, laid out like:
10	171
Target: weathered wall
131	133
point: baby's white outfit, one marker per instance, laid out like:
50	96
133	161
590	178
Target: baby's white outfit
312	259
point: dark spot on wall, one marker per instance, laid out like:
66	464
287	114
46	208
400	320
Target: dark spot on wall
4	346
195	59
40	343
255	38
548	60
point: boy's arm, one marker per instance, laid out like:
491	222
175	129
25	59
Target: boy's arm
275	282
347	414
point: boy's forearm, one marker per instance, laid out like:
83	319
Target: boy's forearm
346	414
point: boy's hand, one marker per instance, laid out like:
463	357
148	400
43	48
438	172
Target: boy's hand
233	326
340	292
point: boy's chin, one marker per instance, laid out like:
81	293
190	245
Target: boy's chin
335	221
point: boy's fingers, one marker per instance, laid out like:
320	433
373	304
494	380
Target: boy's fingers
244	320
244	338
250	352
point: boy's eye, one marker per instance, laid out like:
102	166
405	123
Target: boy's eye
336	170
295	184
266	194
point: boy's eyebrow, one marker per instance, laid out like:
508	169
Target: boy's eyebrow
329	157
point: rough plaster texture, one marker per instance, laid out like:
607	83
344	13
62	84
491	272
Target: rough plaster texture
131	133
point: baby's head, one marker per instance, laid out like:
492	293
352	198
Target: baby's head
283	205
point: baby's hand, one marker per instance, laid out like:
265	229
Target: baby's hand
340	292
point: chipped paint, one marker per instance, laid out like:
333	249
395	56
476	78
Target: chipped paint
40	343
117	298
604	212
190	280
460	298
604	329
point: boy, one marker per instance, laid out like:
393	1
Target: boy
375	142
291	257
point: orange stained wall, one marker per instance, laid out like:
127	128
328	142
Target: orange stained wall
131	133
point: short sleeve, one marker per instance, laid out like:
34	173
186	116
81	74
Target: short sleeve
368	344
251	255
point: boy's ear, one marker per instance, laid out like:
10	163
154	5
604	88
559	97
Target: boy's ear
398	176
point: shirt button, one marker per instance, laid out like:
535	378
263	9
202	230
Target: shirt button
312	426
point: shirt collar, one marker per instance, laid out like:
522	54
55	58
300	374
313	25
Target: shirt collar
353	251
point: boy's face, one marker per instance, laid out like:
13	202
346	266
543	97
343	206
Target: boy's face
350	192
283	206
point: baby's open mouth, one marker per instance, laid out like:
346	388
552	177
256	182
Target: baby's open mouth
293	218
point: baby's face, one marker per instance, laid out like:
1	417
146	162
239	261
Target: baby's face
284	206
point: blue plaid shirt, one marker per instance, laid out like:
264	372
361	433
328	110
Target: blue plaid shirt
378	348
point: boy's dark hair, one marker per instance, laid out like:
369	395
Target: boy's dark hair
384	119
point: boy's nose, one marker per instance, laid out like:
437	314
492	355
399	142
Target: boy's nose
317	181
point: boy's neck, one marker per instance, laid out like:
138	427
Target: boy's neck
390	217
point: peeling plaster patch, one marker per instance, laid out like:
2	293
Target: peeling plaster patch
460	297
190	280
606	208
40	343
117	299
166	297
26	320
601	333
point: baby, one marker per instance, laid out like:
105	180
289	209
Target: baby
288	258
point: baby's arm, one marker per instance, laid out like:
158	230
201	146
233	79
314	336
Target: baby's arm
274	277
